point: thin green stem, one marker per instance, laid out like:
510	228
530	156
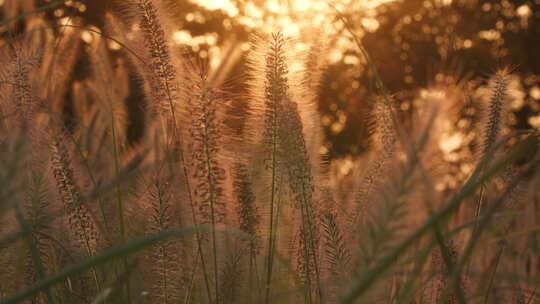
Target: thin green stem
493	273
176	139
272	234
306	254
309	217
445	253
211	186
40	9
34	251
119	205
273	187
191	284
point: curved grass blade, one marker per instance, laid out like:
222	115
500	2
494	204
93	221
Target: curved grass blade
104	257
469	188
40	9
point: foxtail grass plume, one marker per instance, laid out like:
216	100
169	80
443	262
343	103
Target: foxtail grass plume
164	258
503	88
81	223
384	141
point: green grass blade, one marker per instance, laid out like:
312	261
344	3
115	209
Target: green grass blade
468	189
104	257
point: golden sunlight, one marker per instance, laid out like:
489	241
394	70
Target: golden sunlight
269	151
283	7
292	17
225	5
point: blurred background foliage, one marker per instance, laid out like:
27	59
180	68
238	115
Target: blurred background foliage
417	45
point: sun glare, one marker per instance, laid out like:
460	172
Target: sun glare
224	5
293	18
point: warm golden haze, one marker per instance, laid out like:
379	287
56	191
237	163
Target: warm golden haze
231	152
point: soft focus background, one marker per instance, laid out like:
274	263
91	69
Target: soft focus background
92	153
418	46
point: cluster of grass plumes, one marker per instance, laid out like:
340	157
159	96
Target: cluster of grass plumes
200	210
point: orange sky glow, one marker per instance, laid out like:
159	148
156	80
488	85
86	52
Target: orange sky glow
292	17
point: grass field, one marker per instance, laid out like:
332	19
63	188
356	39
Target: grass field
152	181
